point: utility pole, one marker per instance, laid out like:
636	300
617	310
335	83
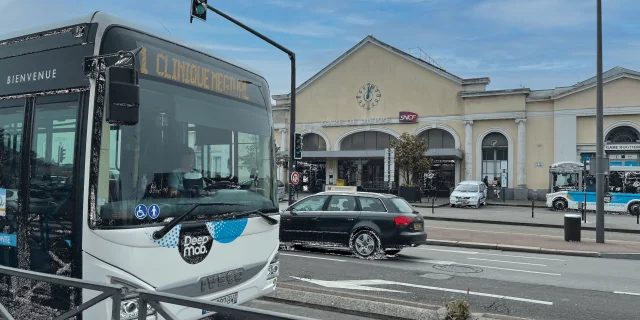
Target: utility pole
600	178
199	11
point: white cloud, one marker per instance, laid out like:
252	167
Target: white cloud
539	14
287	4
358	20
307	28
222	47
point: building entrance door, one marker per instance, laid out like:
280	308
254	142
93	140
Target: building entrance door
313	174
440	179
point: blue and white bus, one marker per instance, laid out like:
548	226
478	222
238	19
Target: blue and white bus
156	204
622	196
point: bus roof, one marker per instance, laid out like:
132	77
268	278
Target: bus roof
105	20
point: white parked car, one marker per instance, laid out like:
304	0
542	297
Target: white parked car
469	193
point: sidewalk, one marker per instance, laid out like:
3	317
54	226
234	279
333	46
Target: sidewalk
443	201
546	244
542	218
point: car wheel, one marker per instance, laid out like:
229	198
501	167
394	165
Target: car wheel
477	206
560	204
365	244
392	252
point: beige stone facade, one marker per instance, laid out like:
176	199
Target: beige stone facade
471	132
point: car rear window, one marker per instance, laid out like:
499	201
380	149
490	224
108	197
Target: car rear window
280	184
402	205
372	204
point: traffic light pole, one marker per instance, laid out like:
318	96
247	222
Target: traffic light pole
600	176
292	57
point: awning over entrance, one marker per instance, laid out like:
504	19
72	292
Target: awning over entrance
356	154
445	153
441	153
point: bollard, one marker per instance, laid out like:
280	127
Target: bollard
533	202
433	203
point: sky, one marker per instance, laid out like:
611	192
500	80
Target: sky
537	44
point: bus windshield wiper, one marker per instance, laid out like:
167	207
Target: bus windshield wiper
162	232
237	215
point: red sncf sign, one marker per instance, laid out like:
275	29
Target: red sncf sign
407	116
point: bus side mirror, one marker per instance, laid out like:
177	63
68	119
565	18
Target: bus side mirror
122	96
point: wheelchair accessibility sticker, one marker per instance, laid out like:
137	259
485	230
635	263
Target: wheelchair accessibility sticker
141	211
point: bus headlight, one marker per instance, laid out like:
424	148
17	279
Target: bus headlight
274	267
129	309
129	304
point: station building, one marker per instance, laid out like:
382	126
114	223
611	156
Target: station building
352	110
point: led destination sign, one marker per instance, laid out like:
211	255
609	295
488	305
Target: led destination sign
160	63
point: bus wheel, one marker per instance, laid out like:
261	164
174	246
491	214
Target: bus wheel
634	208
560	204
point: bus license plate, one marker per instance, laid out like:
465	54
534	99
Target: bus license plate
228	299
417	226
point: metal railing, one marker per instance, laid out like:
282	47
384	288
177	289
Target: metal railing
145	297
217	310
108	291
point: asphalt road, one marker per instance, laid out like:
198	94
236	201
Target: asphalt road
517	284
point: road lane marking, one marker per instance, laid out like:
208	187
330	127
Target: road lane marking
516	270
629	293
487	267
366	286
518	233
548	303
443	250
525	263
514	256
309	257
490	254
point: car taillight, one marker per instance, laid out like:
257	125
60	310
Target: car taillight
402	221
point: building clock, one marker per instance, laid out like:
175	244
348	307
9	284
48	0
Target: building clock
368	96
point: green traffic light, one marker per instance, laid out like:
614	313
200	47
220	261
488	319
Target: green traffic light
200	9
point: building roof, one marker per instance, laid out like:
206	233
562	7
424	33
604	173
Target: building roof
475	94
560	92
372	40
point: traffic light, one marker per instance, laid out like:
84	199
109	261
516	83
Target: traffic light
297	151
61	154
199	9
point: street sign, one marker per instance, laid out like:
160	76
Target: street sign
295	177
389	164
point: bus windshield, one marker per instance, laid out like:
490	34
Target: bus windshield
189	148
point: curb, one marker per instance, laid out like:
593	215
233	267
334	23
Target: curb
361	305
505	247
525	224
514	205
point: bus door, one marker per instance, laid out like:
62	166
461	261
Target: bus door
38	165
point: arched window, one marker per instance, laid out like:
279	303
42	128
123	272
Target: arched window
623	134
367	140
313	142
438	138
495	152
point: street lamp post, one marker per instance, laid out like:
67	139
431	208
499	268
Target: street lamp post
292	57
599	135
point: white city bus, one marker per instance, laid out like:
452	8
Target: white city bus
622	194
181	200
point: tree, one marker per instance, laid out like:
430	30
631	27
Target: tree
281	159
409	156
